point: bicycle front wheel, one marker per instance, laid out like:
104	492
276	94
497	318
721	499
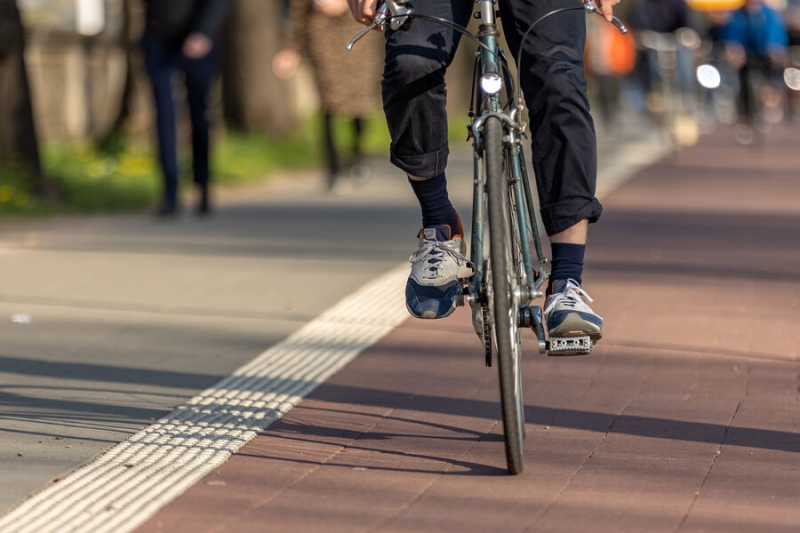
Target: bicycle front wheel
503	294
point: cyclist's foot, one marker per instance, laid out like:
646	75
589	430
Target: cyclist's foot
432	289
567	313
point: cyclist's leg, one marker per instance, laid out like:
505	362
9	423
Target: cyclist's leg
413	88
414	101
564	148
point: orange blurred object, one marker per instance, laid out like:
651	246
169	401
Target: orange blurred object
715	5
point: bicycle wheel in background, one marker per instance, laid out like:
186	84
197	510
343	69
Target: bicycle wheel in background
503	299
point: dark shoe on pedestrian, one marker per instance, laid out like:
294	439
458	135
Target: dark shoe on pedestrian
166	211
204	203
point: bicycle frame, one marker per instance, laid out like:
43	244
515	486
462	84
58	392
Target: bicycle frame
490	61
500	293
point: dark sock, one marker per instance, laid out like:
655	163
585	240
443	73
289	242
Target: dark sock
434	203
567	262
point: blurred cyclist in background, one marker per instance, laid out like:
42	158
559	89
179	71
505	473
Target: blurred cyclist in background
756	43
657	26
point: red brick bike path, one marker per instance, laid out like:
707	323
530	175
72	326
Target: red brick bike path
685	417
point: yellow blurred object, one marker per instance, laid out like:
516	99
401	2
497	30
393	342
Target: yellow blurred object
686	130
715	5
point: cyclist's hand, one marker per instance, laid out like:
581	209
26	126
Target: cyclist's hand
607	8
364	11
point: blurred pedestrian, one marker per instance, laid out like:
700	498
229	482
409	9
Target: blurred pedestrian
610	55
348	83
661	27
181	36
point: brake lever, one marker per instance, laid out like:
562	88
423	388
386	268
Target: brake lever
395	11
591	7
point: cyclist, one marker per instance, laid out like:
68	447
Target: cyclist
564	155
756	40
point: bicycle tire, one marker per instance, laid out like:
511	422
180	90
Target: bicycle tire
503	300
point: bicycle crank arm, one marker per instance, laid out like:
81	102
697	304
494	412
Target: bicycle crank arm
562	346
531	317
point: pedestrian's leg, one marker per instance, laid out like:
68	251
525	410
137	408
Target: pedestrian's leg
331	153
160	67
199	74
356	169
358	139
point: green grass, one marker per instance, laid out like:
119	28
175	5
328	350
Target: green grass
89	179
124	175
14	196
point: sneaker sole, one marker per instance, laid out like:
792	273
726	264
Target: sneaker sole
575	326
430	315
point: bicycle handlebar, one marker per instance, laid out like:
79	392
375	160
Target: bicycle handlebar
591	7
399	15
392	11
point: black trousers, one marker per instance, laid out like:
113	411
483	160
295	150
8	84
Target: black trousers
553	81
162	63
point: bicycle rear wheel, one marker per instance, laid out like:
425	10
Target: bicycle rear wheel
503	295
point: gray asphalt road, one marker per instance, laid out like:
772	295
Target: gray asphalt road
130	317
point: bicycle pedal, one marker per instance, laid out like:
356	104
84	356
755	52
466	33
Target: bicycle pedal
563	346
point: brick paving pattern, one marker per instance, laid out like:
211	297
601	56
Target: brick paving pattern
685	418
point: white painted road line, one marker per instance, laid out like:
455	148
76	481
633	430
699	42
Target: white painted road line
124	487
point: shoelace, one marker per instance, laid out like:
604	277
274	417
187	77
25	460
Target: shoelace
570	298
433	252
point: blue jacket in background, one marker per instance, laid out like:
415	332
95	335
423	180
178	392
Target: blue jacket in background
759	33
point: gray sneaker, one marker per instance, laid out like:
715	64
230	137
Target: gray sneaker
433	288
567	313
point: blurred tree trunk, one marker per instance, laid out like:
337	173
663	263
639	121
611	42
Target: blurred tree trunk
254	99
125	101
18	144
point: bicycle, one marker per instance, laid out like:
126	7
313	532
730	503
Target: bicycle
503	279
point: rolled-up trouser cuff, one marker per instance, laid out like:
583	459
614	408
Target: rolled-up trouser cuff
426	165
564	215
